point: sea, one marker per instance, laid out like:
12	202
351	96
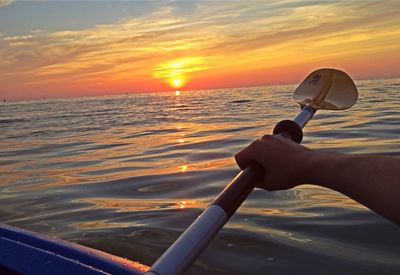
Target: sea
127	174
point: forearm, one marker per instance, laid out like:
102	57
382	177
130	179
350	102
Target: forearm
371	180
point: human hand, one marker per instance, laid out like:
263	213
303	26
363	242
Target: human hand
285	162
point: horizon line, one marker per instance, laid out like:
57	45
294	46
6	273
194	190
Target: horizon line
106	94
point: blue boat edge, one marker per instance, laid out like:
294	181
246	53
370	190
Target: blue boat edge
23	251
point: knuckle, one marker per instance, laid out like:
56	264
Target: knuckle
266	137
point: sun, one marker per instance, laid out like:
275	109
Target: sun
177	82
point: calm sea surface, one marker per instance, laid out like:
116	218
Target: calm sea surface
127	174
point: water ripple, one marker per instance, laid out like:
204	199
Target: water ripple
127	174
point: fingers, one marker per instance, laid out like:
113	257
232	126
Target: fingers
282	158
247	155
257	150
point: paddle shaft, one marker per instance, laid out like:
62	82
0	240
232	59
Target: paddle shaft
185	250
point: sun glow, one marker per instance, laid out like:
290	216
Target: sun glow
177	72
176	82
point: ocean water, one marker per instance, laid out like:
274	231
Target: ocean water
127	174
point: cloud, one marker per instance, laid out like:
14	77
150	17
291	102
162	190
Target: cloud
4	3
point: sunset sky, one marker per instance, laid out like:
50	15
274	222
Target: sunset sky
73	48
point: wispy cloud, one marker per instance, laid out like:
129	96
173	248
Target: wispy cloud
167	42
4	3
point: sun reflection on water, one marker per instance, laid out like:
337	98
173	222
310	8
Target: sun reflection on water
122	205
182	204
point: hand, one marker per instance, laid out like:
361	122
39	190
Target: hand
285	162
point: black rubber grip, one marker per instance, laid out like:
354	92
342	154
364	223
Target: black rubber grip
290	129
239	188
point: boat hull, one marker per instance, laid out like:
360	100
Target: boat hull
26	252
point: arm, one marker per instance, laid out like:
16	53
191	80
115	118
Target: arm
373	181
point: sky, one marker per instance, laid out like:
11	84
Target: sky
84	48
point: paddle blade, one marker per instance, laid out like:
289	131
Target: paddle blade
328	89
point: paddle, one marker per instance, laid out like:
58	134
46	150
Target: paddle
328	89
